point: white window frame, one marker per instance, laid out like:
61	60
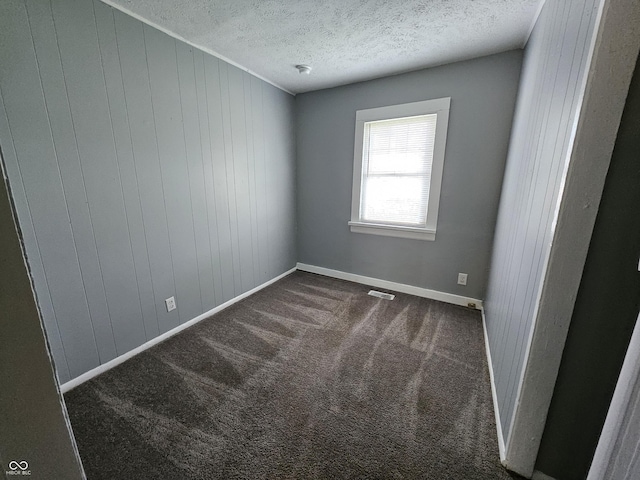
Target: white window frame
438	106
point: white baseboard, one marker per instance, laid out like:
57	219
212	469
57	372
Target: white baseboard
494	394
398	287
154	341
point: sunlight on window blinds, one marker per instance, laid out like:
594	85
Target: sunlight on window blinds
396	171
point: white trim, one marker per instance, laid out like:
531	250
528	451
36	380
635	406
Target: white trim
440	107
534	21
154	341
611	446
494	392
146	21
396	287
611	59
393	230
423	107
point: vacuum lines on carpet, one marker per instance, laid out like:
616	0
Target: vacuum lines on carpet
310	378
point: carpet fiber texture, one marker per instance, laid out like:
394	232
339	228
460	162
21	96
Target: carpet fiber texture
310	378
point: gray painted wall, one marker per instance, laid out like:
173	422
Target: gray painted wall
33	424
141	169
604	315
548	102
483	93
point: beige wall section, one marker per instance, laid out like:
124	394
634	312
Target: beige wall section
33	424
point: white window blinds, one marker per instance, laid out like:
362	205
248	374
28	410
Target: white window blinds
397	160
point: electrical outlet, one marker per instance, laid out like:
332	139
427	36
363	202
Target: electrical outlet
171	303
462	279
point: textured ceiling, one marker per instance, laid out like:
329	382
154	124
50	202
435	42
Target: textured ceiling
344	41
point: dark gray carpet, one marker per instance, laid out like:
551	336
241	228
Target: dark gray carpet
310	378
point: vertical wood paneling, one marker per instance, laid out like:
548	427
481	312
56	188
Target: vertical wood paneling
260	175
135	75
270	179
124	152
230	169
280	178
207	173
165	93
39	172
139	172
219	174
553	72
62	129
251	177
237	119
81	62
31	245
195	169
34	422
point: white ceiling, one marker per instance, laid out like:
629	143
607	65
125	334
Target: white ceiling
344	41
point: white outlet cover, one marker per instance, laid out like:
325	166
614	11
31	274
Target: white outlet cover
462	279
171	303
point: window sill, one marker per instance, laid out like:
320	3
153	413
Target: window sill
393	231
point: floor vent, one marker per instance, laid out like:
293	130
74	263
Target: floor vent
386	296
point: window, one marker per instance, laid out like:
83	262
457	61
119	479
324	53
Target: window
397	172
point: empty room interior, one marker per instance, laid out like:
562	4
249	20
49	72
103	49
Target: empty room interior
319	240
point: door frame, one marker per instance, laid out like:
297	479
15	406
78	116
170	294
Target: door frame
616	424
612	57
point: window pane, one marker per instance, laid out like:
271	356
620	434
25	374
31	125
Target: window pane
402	145
395	200
396	174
